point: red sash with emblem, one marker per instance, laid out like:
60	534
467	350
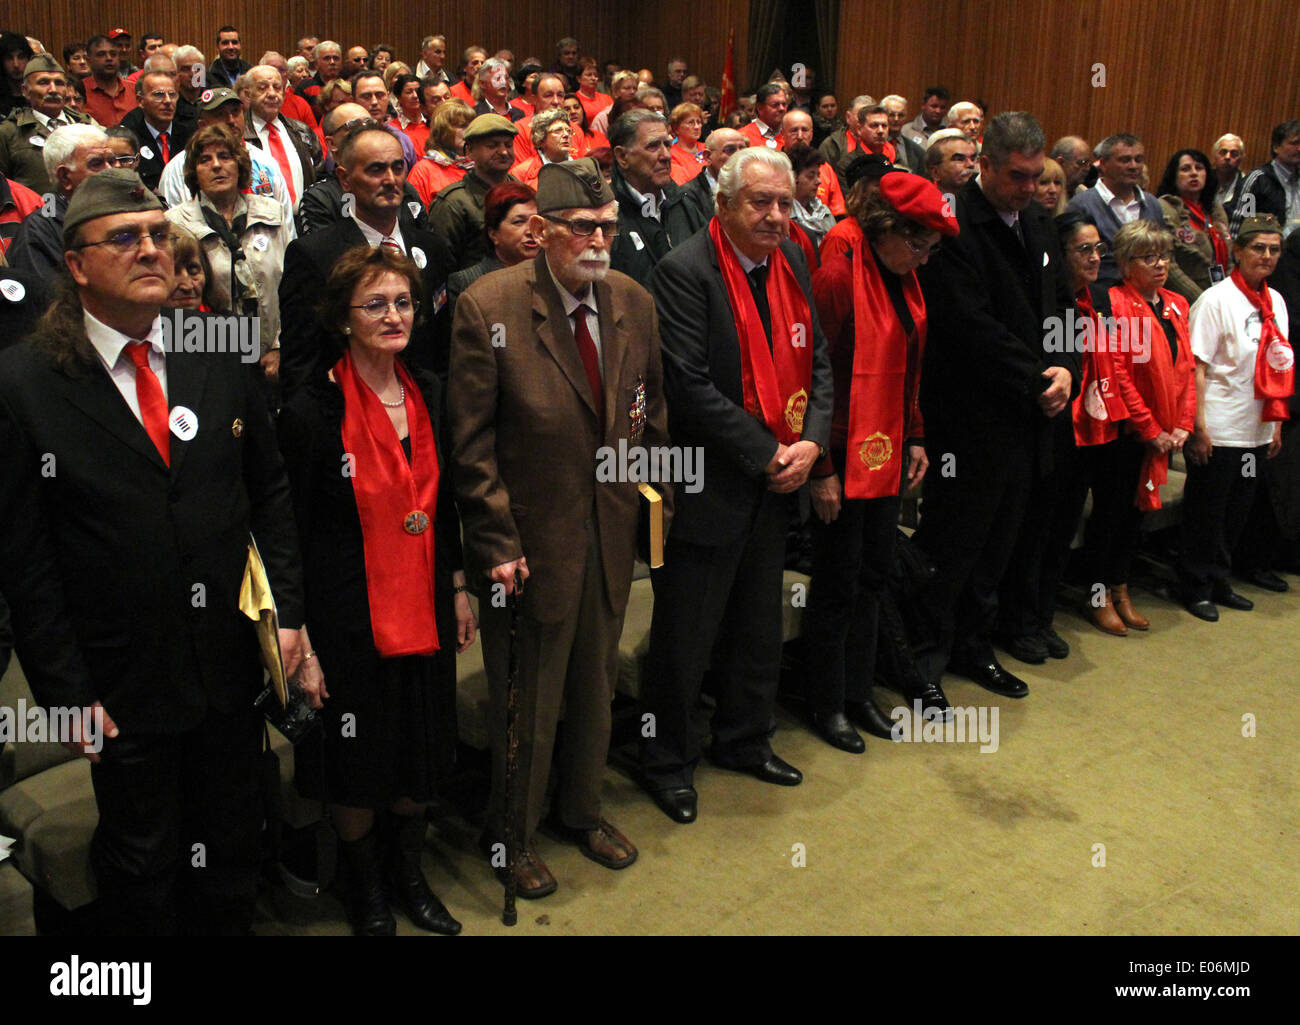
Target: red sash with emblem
396	503
873	465
1099	405
774	382
1274	360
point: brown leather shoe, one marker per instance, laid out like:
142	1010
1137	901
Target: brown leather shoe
1124	606
1105	619
604	845
533	880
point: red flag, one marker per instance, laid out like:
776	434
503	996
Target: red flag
728	102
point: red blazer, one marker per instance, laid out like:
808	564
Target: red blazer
1160	392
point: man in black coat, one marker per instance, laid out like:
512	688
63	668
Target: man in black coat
160	132
652	214
988	392
722	574
372	179
124	532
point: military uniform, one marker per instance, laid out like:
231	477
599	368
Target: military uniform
22	159
456	217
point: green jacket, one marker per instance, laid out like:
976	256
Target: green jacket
22	160
1189	272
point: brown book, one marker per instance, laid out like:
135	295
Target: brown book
650	527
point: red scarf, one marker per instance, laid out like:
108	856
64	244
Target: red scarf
1099	405
878	393
1274	361
1160	380
774	382
1203	224
397	503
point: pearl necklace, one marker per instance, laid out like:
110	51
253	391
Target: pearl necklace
401	400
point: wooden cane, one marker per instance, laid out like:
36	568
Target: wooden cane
508	914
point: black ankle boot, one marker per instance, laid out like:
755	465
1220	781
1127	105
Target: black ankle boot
366	901
867	715
421	905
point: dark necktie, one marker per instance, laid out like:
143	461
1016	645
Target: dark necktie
149	396
758	288
590	360
1020	231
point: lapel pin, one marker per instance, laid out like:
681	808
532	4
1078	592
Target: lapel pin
237	428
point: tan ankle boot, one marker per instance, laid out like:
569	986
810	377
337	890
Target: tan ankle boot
1105	619
1124	606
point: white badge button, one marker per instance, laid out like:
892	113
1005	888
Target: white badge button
183	422
146	153
12	290
260	242
414	207
636	240
417	254
38	141
1044	259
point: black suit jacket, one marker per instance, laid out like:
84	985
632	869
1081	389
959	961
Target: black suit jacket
986	299
321	205
150	167
123	574
701	355
307	265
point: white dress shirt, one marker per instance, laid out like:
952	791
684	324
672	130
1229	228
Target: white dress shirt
110	346
571	302
1126	212
263	130
375	238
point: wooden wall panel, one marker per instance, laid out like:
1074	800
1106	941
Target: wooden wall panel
1178	72
644	35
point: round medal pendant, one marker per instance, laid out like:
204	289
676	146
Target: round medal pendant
416	522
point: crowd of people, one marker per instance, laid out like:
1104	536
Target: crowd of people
471	284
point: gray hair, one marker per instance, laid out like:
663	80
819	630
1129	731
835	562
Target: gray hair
1138	237
732	176
933	152
1014	131
485	71
649	90
861	101
297	61
64	141
424	43
188	54
1229	135
624	131
1065	147
1107	145
894	98
957	109
320	48
543	122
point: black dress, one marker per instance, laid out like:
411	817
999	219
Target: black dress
389	723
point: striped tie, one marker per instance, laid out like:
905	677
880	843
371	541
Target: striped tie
388	242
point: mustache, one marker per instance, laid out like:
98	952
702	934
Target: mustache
594	255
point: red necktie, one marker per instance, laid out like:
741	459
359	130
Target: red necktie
388	242
149	396
166	150
590	361
281	158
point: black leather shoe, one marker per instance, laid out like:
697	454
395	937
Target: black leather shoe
1028	648
1054	643
1203	609
991	676
420	903
1230	598
836	730
868	716
1267	579
774	770
679	803
367	905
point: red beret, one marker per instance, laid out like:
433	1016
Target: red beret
919	200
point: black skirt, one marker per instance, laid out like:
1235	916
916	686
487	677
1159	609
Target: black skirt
389	727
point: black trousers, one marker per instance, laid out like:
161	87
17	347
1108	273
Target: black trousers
1027	594
1111	534
728	596
1216	505
852	557
176	849
969	522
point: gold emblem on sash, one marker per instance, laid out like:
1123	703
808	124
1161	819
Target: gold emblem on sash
876	451
795	409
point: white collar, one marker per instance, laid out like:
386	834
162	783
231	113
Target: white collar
1109	197
108	342
745	262
568	300
374	238
648	202
259	125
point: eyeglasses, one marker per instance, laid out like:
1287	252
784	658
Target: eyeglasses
1100	248
127	160
377	309
584	226
128	240
1264	249
158	96
920	250
1153	259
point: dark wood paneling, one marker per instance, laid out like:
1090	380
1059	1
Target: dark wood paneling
1178	72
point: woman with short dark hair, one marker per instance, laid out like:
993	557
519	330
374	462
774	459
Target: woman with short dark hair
384	587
